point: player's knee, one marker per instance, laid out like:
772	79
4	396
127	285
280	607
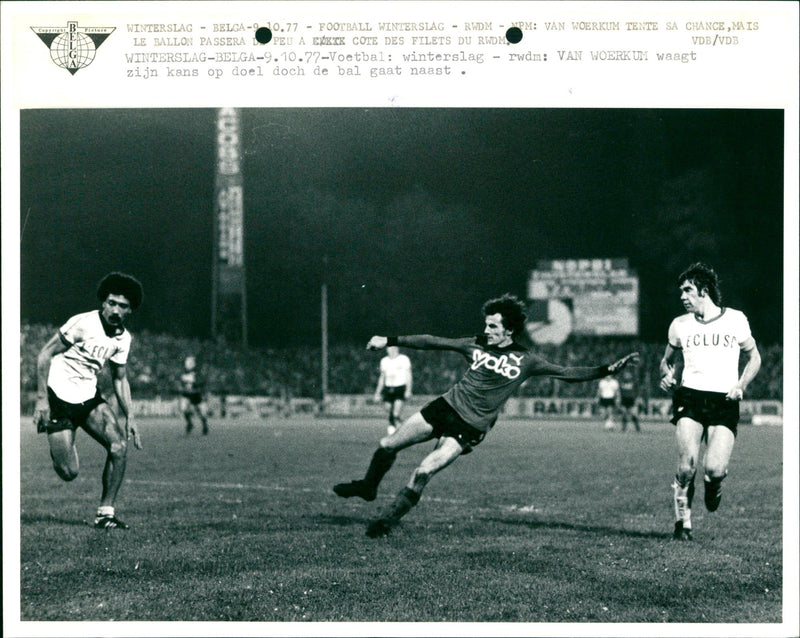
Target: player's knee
118	448
65	472
716	472
685	473
386	445
422	475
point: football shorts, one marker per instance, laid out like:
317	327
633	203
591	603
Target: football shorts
447	422
707	408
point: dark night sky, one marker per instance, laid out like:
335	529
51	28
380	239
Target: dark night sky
422	213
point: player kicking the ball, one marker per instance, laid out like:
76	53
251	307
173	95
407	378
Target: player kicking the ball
68	397
462	417
701	365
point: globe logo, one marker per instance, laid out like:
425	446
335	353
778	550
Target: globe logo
72	51
73	47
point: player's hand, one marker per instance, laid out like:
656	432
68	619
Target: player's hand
668	381
735	393
632	358
41	415
377	343
133	431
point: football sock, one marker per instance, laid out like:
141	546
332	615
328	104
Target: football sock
682	501
400	506
381	463
105	510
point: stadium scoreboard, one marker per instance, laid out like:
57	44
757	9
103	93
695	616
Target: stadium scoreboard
582	297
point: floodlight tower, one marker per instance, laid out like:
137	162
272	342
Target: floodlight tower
229	289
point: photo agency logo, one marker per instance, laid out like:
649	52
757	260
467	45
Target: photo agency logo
73	47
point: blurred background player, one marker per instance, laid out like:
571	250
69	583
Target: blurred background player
193	395
628	399
461	418
395	384
68	397
701	366
607	399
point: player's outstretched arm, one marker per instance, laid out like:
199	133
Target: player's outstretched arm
423	342
628	359
377	343
580	373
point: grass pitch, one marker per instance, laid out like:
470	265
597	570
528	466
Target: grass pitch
545	522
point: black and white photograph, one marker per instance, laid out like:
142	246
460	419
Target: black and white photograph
335	367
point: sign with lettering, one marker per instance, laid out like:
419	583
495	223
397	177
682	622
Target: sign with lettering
601	296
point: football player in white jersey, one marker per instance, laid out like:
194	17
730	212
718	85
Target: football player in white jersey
394	384
68	397
608	400
701	367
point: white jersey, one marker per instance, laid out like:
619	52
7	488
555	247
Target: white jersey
73	373
710	349
396	371
607	388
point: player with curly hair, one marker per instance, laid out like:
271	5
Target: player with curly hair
461	418
68	397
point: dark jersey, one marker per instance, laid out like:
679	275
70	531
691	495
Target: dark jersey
494	374
627	388
192	384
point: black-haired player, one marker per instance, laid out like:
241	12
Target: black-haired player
68	397
701	366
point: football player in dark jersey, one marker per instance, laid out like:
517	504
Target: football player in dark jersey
461	417
193	402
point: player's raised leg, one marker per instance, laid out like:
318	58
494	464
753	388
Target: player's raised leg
413	430
689	434
64	453
718	455
103	425
447	451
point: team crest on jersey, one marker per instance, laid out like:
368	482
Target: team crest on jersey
73	47
506	365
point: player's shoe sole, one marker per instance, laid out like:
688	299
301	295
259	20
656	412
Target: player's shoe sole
680	533
109	522
712	495
378	529
356	488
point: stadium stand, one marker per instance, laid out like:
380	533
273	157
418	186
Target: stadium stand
156	362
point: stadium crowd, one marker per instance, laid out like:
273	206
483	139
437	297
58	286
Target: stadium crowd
156	363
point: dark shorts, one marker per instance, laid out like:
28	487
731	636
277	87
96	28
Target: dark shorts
607	403
69	416
195	398
707	408
396	393
447	422
627	402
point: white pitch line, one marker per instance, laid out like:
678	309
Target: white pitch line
265	488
